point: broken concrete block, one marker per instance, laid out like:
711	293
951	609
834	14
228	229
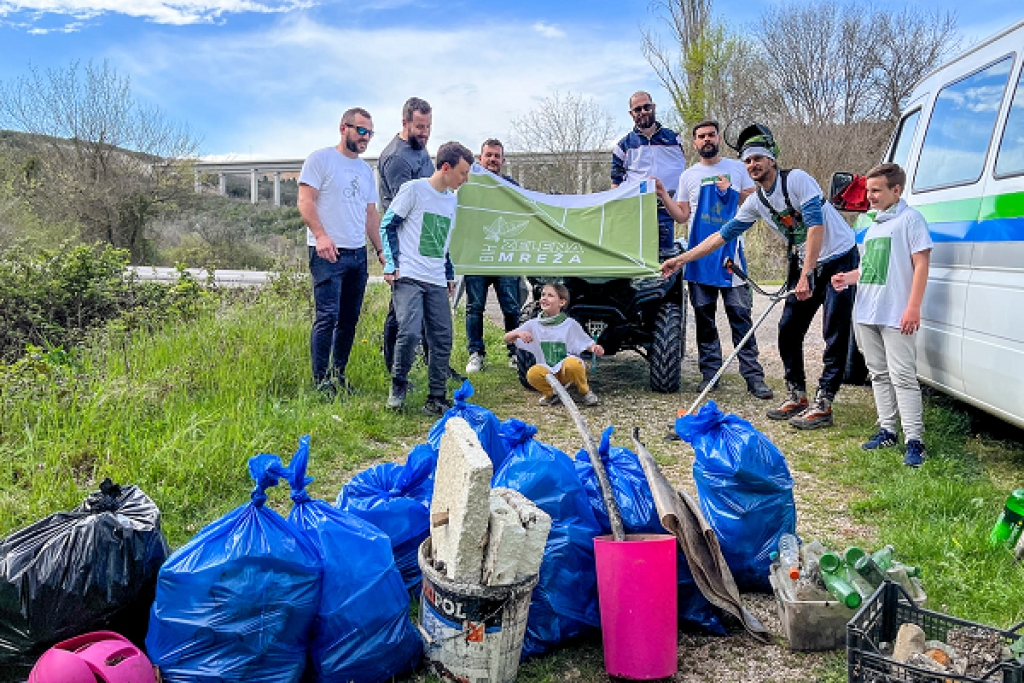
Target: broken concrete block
537	524
506	542
909	642
460	509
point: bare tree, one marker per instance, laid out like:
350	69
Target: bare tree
107	161
566	128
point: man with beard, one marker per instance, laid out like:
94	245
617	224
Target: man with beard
650	151
714	188
405	158
821	245
492	157
338	202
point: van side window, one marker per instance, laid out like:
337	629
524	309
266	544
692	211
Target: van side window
1010	160
960	130
904	136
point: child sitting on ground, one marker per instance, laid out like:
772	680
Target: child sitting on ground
890	283
556	341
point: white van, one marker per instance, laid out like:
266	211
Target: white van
961	141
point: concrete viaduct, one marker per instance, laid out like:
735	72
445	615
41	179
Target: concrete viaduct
515	165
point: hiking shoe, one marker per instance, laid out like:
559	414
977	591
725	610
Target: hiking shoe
590	399
436	406
396	399
915	454
551	400
475	364
883	439
705	382
760	390
817	415
795	404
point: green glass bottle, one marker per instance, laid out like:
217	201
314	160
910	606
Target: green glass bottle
1008	527
852	554
868	568
841	589
883	557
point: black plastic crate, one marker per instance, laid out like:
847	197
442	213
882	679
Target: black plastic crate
878	621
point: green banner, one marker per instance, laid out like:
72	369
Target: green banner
501	229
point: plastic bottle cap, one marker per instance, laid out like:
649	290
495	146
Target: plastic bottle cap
794	573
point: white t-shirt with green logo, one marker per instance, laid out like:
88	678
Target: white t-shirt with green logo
424	234
552	344
886	268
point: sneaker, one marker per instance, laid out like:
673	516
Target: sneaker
436	406
915	454
327	390
883	439
396	399
475	364
760	390
817	415
795	404
551	400
512	362
590	399
705	382
455	376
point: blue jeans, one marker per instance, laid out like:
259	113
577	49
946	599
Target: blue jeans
476	300
338	290
738	303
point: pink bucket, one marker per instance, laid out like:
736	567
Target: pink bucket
636	586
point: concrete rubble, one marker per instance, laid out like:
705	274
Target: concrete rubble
481	536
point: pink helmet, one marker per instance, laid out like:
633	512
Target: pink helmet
92	658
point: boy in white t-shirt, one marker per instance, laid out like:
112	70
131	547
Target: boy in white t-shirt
556	342
891	281
415	233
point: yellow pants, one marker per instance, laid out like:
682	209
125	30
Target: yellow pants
573	371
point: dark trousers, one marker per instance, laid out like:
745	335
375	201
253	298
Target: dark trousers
838	317
507	289
338	290
738	304
422	310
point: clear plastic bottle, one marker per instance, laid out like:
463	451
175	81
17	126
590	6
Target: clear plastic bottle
883	557
789	555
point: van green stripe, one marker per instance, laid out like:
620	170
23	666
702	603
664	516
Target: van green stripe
954	211
1009	205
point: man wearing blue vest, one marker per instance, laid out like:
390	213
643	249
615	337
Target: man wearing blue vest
715	188
650	150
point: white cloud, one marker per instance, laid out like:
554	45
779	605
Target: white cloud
160	11
281	91
548	30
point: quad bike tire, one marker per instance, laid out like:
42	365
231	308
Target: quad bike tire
666	353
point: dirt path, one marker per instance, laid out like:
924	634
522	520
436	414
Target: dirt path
822	510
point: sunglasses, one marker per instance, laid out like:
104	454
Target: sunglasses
640	108
361	130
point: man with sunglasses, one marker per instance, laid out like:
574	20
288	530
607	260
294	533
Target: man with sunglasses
650	151
338	202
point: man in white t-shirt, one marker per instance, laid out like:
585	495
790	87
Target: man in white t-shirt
338	202
714	188
821	244
415	233
890	283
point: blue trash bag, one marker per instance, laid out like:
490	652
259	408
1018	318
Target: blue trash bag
746	491
640	516
396	500
236	603
362	630
564	603
484	423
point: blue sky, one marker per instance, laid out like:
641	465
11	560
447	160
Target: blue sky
270	78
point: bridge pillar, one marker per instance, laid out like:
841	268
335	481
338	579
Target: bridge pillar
198	183
254	187
222	184
277	188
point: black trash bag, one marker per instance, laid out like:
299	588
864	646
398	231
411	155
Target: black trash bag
91	569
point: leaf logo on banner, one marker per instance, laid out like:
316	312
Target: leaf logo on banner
503	228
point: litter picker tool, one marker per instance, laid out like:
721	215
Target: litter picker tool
614	516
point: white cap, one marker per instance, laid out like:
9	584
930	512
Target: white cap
756	151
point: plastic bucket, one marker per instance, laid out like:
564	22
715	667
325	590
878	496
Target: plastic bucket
636	587
473	633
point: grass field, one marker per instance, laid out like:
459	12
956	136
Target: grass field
179	410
